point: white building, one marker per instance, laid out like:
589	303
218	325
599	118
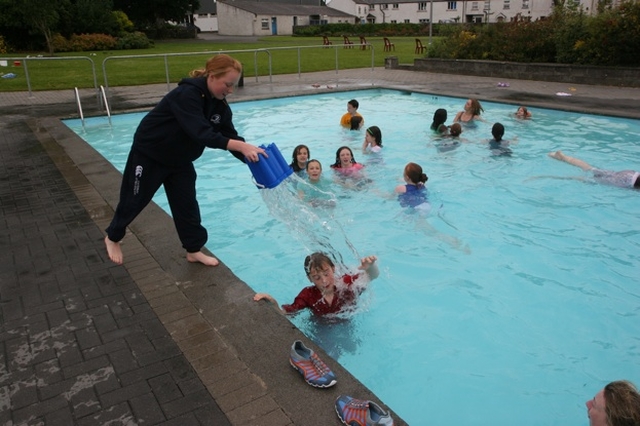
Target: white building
251	18
206	16
420	12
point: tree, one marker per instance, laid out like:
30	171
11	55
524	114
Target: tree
92	17
149	13
34	16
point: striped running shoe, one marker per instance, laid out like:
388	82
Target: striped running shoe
356	412
315	372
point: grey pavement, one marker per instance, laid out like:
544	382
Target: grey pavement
158	340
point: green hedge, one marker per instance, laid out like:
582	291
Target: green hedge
100	42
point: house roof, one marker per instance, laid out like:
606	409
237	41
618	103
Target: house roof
207	6
367	2
268	8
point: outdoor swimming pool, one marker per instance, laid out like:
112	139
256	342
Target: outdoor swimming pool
532	321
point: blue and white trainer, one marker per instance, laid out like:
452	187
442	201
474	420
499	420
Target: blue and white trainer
358	412
314	371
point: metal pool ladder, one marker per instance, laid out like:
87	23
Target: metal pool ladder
104	101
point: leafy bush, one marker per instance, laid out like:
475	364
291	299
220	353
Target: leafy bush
87	42
135	40
3	45
60	44
124	23
168	31
92	42
570	37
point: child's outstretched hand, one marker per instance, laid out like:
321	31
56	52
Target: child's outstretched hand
366	262
261	296
368	265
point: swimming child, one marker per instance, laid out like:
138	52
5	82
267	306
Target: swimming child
413	195
472	111
497	145
372	140
414	192
439	118
314	171
316	193
345	163
622	179
523	112
299	158
455	130
352	111
329	294
356	122
452	139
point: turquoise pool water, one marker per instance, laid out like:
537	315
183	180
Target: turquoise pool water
531	321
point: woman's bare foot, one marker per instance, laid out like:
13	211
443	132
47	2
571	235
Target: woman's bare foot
114	251
557	155
200	257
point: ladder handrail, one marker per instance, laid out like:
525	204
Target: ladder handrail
79	105
106	103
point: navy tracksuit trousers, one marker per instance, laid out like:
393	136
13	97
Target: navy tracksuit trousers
141	179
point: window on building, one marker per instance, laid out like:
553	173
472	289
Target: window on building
452	5
423	21
396	5
393	21
407	21
422	6
525	4
474	5
265	24
372	7
506	4
384	6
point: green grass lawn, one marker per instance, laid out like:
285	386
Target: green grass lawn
285	58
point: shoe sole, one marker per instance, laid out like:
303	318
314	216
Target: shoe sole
340	417
299	370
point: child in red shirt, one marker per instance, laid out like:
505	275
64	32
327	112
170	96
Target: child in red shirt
324	297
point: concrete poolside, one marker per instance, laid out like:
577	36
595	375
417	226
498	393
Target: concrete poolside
160	340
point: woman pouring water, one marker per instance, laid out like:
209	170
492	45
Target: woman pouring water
193	116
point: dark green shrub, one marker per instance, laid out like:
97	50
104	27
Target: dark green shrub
3	45
570	36
135	40
168	31
60	44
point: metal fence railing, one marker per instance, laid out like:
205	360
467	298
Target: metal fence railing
24	62
103	99
256	52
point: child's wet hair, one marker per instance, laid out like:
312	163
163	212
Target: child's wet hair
376	133
356	121
497	131
316	261
415	174
313	160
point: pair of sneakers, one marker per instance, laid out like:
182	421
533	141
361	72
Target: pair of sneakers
351	411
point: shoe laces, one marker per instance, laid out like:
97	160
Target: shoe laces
318	365
358	404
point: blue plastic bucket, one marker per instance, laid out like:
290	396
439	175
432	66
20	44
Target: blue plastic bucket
269	171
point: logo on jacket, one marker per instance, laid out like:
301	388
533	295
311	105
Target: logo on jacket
215	118
136	182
